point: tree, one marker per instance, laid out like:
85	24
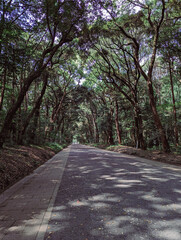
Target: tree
69	12
91	70
155	19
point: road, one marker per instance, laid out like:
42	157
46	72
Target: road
84	193
108	196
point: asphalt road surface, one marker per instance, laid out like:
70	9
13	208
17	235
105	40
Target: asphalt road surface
109	196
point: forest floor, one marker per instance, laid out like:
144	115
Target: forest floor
155	155
17	162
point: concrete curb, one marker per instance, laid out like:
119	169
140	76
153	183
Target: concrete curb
44	224
9	192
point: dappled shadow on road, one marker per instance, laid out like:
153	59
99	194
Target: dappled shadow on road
105	196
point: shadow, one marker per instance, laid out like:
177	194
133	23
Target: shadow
104	196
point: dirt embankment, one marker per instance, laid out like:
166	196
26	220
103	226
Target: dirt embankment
17	162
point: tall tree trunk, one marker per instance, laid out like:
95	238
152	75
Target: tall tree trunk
137	117
118	131
148	78
62	131
57	130
106	137
90	127
47	117
34	110
55	113
12	111
27	82
110	126
110	132
34	127
19	115
173	99
139	128
96	132
26	103
3	87
157	120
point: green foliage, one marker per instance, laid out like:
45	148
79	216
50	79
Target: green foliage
55	146
99	51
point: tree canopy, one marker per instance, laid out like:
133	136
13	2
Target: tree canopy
96	71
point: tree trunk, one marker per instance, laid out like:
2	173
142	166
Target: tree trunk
34	127
34	75
55	113
110	134
165	144
110	126
62	131
118	131
3	87
148	78
96	133
57	130
34	110
90	128
173	99
139	128
106	137
11	113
